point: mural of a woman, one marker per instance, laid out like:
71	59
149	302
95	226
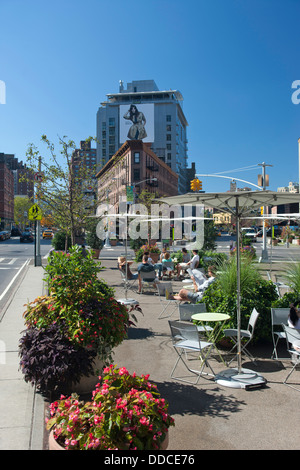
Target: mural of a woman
137	130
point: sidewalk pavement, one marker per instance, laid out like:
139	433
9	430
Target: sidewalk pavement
207	416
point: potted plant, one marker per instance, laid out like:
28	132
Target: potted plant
92	239
126	413
152	249
83	308
50	361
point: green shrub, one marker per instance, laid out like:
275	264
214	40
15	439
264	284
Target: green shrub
256	292
59	240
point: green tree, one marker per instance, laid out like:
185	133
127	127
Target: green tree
62	190
21	208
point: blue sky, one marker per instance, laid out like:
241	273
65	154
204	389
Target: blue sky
233	61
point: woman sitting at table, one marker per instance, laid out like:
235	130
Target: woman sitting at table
200	282
122	267
167	264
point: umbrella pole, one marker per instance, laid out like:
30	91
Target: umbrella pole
238	292
126	265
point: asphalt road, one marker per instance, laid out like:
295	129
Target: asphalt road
14	257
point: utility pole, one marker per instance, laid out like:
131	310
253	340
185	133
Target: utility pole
38	259
263	180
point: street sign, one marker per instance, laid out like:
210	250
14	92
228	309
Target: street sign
35	213
39	176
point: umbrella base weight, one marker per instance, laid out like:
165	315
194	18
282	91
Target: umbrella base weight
245	378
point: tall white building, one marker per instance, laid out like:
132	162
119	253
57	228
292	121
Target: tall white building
143	112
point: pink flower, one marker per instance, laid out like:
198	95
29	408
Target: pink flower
123	371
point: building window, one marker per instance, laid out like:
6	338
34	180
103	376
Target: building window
169	155
168	136
111	121
136	157
169	128
168	117
168	146
136	175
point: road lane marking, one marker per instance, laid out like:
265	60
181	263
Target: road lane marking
13	279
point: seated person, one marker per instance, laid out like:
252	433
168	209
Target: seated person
167	264
185	259
194	262
157	266
294	320
145	267
122	267
201	283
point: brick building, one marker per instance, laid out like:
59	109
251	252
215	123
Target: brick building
137	167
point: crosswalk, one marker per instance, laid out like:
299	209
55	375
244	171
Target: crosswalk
6	263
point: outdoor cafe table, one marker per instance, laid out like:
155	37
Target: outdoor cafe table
214	333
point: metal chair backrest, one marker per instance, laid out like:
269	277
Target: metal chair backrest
292	335
184	331
252	320
163	286
187	310
279	315
148	276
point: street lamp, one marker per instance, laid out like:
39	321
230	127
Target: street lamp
107	242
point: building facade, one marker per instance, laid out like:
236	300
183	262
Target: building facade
132	169
291	188
6	195
143	112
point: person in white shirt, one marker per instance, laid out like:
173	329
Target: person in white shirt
294	320
185	259
201	283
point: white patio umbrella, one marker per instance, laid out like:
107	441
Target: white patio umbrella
143	218
238	204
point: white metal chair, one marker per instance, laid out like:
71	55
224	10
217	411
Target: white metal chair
127	283
232	333
293	343
185	338
279	316
148	280
164	289
187	310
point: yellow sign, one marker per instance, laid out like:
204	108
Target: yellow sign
35	213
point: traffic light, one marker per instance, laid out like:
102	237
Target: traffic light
196	185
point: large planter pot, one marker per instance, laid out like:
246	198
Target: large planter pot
87	383
96	253
53	444
154	257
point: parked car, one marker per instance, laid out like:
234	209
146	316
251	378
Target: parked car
277	232
6	234
47	234
2	236
26	237
15	232
249	232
